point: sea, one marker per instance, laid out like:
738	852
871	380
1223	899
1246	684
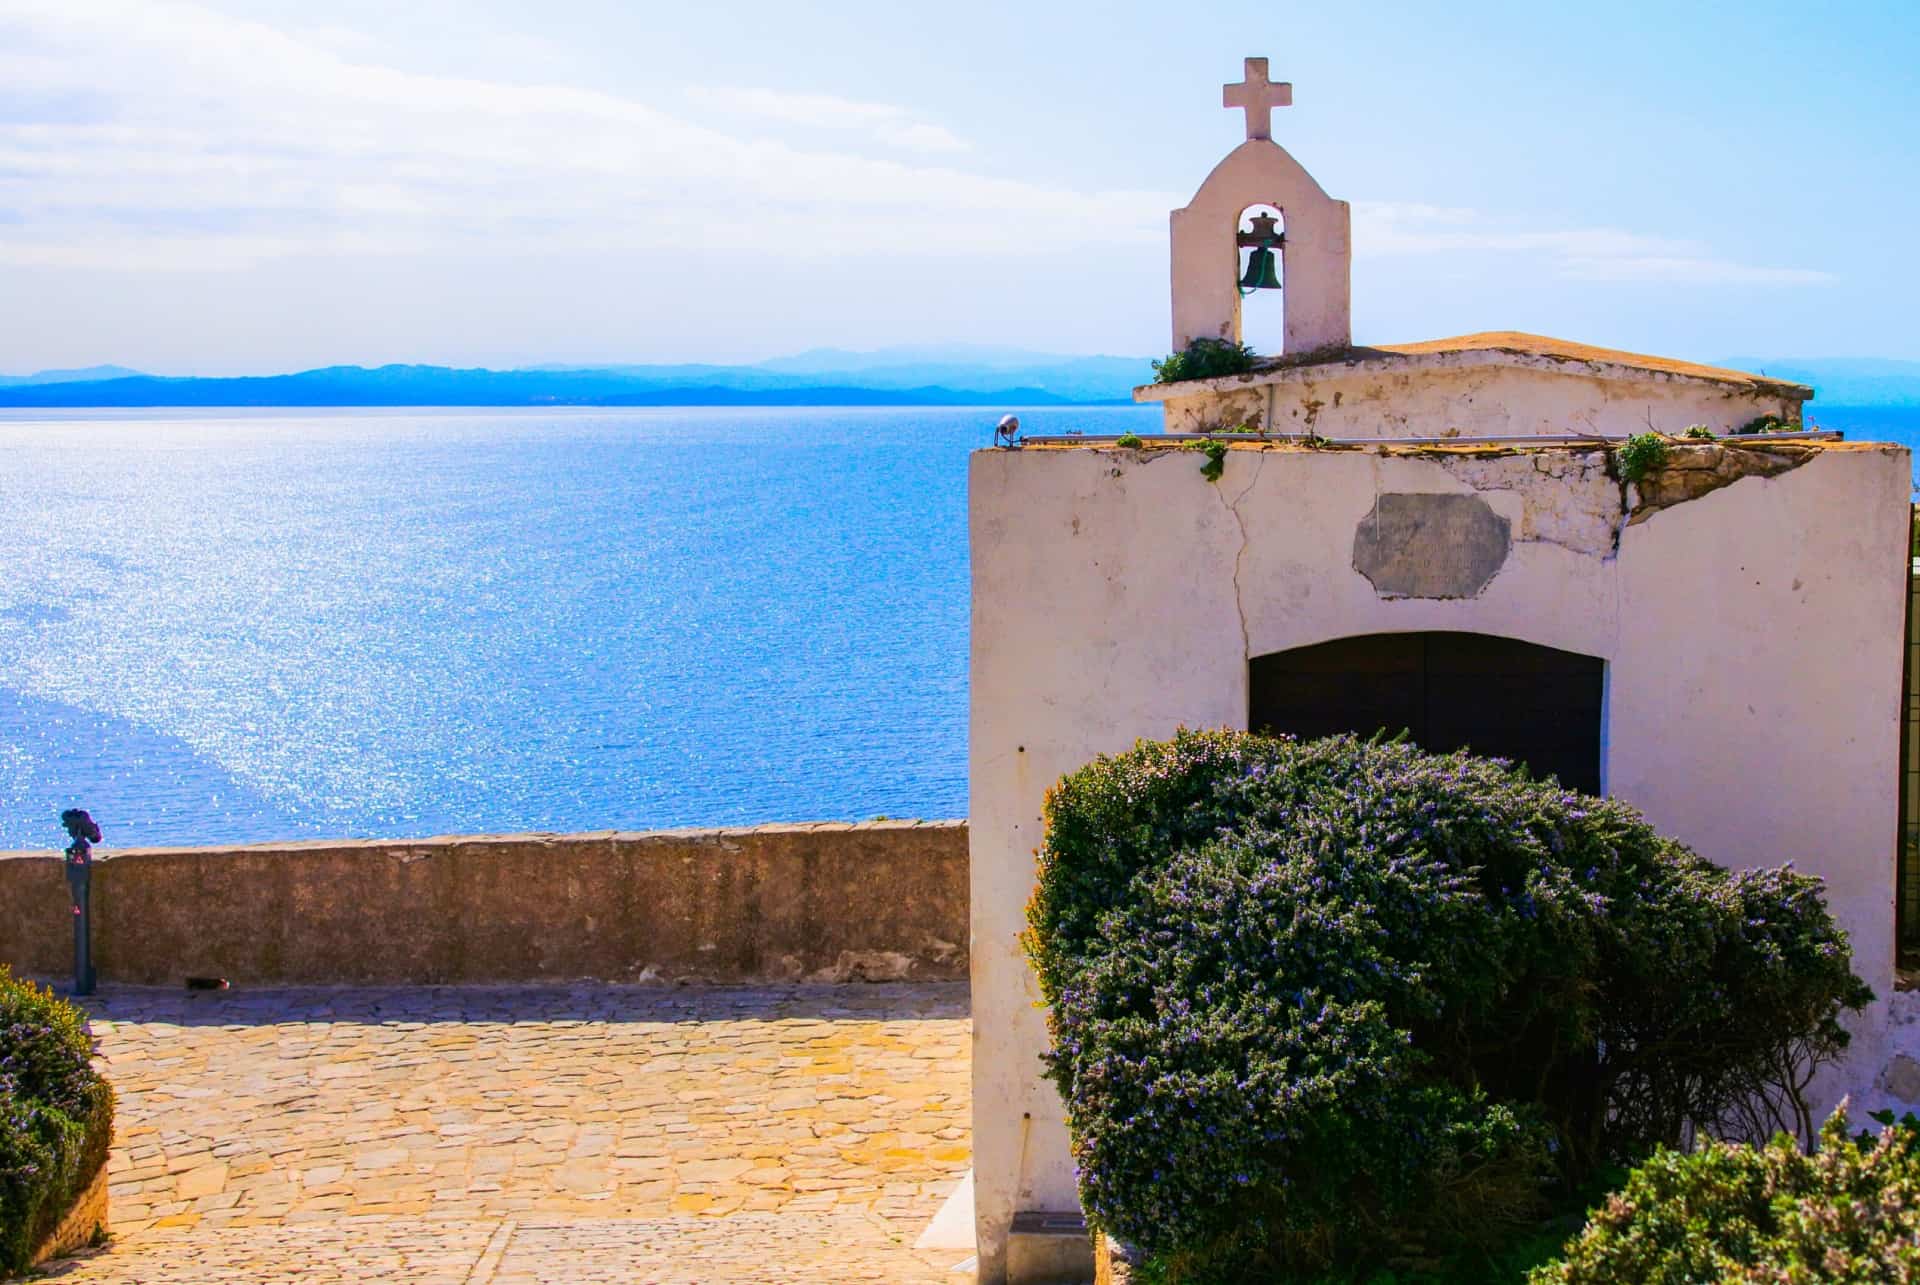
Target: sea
246	626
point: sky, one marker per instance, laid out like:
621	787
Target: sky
247	186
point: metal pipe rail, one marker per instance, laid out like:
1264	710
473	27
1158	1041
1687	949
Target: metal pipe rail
1586	439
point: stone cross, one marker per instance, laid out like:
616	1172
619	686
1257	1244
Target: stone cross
1258	96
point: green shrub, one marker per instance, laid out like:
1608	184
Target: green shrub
1129	442
56	1115
1698	432
1848	1213
1642	454
1765	424
1204	359
1216	453
1330	1005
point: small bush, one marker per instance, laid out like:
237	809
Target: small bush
1204	359
1129	442
1333	1005
1765	424
56	1115
1698	433
1850	1212
1642	454
1216	453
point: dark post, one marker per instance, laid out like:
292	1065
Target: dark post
85	834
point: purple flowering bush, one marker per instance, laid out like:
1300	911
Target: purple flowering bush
1322	1006
1766	1215
56	1115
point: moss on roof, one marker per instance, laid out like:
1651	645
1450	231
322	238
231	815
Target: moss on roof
1510	346
1519	342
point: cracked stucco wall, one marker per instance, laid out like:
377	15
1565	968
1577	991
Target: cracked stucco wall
1566	498
1692	471
1573	498
1751	636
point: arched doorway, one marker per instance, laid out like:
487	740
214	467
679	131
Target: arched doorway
1498	696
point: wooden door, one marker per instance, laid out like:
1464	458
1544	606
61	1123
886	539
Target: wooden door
1496	696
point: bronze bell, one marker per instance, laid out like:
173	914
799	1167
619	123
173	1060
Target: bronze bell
1262	273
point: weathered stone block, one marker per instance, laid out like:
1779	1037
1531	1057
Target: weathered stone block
1045	1248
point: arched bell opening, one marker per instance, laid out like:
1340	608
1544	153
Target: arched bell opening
1261	266
1480	692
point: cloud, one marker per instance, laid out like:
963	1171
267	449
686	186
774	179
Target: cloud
882	122
1688	271
159	135
314	151
1598	254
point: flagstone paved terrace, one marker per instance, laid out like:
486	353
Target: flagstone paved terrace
487	1136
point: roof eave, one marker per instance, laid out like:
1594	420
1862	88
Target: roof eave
1354	361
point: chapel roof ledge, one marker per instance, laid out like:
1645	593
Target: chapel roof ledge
1487	348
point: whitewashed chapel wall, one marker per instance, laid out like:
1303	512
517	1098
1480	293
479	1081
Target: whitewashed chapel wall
1752	638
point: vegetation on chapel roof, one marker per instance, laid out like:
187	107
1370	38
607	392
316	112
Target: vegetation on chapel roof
1204	359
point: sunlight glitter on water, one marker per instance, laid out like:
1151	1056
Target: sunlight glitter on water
235	628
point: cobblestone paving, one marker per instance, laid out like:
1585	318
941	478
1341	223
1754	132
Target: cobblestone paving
487	1136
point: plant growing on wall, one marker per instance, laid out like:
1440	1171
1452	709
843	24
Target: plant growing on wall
1203	359
1764	424
1698	432
1129	442
1317	1006
1641	455
1216	453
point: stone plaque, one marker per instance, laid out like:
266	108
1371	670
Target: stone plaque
1430	546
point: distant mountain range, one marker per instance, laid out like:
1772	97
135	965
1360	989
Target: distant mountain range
920	376
913	377
1844	381
88	374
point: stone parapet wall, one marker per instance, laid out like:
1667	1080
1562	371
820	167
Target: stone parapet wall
878	901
